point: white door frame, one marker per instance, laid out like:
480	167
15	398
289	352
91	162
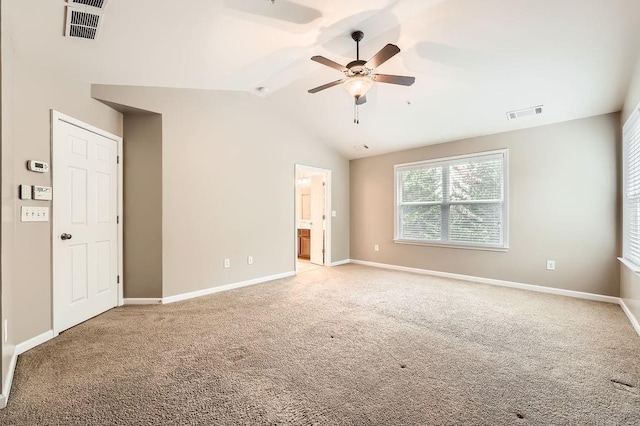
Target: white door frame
56	118
327	212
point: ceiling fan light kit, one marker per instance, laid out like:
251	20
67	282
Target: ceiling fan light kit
359	75
358	85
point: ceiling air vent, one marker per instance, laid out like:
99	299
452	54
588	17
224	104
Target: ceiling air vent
81	24
527	112
98	4
84	18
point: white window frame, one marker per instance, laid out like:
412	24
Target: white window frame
630	135
453	244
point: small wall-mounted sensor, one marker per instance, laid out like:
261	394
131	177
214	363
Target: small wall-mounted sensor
38	166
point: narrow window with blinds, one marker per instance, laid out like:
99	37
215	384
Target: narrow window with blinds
631	189
454	201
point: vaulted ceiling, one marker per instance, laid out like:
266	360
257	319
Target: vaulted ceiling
473	60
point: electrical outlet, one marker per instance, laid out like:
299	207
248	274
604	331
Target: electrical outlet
227	263
376	247
551	265
250	260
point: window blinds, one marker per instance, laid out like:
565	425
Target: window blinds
458	200
631	185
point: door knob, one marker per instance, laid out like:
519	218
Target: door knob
65	236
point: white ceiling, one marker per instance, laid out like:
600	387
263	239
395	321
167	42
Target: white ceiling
473	60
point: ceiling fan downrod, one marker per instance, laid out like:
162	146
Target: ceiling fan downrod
357	36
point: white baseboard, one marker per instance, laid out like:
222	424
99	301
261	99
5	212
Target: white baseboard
340	262
19	349
491	281
33	342
632	318
6	389
212	290
142	301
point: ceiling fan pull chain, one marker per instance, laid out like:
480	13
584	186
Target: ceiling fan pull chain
356	118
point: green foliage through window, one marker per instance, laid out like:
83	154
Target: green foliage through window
458	201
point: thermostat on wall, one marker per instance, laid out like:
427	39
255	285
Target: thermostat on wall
38	166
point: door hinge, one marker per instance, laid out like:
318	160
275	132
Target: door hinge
324	183
118	279
117	219
117	159
324	217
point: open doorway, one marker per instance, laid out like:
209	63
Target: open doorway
312	217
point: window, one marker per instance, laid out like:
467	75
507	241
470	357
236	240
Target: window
631	189
455	201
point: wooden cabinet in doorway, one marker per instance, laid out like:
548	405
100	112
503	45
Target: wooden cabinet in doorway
304	243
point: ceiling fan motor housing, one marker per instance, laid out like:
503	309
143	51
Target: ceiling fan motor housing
357	68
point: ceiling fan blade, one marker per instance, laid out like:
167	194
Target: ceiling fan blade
325	86
394	79
361	100
382	56
328	62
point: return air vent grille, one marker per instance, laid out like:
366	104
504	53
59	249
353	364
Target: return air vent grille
98	4
527	112
81	24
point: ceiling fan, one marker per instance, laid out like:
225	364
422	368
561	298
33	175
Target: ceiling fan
359	76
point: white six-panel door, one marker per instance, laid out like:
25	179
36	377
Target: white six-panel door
317	219
85	229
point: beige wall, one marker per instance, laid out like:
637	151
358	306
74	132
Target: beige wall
633	94
562	206
630	281
142	164
28	95
228	185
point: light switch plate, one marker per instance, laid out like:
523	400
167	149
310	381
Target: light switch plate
34	214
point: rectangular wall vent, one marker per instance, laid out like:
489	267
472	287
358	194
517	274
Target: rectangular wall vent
527	112
81	24
98	4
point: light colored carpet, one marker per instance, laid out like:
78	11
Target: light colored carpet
349	345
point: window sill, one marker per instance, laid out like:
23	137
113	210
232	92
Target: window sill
453	246
632	266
